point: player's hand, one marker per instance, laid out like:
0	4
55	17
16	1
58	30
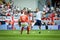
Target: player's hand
34	21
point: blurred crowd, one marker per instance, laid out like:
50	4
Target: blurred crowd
52	13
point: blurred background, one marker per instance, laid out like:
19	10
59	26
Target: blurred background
10	11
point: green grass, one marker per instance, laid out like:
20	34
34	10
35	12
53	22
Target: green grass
34	35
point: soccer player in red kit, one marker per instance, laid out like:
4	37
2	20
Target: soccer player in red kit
24	22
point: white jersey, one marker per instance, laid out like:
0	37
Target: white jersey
38	15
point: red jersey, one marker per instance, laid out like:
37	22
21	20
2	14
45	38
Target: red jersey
24	18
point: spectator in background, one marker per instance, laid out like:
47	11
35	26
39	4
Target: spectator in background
0	23
9	25
52	9
46	9
52	15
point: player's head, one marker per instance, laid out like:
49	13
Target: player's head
28	12
24	9
21	11
37	9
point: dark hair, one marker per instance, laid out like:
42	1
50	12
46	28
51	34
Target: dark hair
24	8
21	11
28	12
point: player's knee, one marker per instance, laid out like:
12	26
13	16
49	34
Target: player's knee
22	28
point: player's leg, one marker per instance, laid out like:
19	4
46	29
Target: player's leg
39	29
22	25
28	30
22	29
39	24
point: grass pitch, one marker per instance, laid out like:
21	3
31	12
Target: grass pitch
34	35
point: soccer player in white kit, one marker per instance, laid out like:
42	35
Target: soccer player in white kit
38	19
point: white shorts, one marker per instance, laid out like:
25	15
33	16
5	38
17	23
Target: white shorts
24	24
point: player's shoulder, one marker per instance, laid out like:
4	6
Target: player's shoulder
40	11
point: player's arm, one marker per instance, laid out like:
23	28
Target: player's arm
19	22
